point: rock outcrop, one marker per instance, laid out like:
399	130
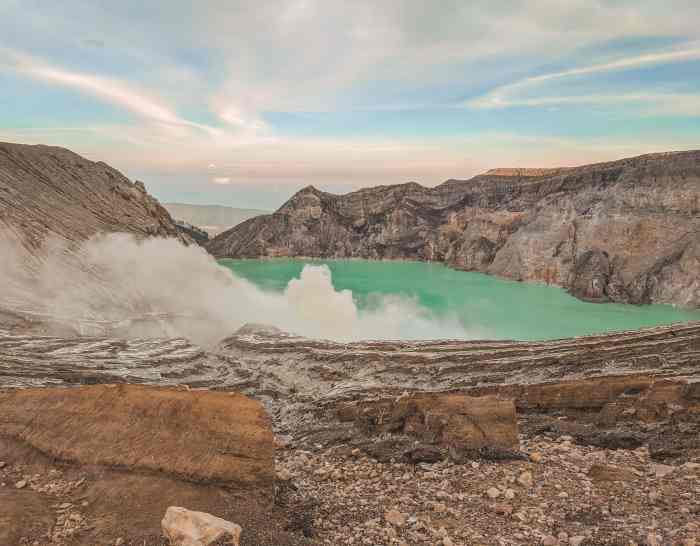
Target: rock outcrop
461	425
46	190
319	389
625	231
197	435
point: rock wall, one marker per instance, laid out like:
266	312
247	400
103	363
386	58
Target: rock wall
46	190
625	231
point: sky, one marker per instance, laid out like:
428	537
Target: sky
242	103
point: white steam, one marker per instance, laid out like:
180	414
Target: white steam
114	284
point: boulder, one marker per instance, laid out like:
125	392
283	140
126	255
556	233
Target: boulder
462	424
188	528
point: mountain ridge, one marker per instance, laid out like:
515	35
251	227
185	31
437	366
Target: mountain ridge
52	191
624	231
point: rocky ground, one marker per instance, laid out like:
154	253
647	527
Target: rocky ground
589	441
563	494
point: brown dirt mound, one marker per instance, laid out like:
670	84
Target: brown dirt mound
199	435
69	504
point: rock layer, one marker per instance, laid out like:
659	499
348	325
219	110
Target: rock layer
625	231
198	435
460	424
46	190
306	384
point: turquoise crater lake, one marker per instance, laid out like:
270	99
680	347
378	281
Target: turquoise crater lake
471	305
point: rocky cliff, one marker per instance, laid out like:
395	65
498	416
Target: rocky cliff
626	231
47	190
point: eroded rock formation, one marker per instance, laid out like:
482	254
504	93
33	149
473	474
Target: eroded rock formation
361	429
198	435
310	386
46	190
626	231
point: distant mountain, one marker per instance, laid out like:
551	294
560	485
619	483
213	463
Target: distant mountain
515	171
45	190
626	230
214	219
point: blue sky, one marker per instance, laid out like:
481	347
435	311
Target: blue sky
242	103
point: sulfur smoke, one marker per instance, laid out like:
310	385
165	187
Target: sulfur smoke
116	285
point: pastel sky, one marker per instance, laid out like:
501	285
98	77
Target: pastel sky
243	102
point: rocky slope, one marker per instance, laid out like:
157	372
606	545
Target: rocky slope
589	441
46	190
626	231
99	465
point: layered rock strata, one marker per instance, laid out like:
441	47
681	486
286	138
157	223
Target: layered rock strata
624	231
308	385
201	436
49	191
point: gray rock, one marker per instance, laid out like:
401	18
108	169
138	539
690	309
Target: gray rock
622	231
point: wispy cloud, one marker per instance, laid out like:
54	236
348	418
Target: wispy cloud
110	90
508	95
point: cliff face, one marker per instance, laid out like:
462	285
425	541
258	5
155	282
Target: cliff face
47	190
626	231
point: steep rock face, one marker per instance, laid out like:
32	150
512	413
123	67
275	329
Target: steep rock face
47	190
625	231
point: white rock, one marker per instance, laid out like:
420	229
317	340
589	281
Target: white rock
525	479
492	492
653	540
662	470
284	475
21	484
188	528
395	518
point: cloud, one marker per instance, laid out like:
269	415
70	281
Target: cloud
269	93
222	180
507	95
109	90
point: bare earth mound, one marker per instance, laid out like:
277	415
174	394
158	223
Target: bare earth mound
199	435
91	465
